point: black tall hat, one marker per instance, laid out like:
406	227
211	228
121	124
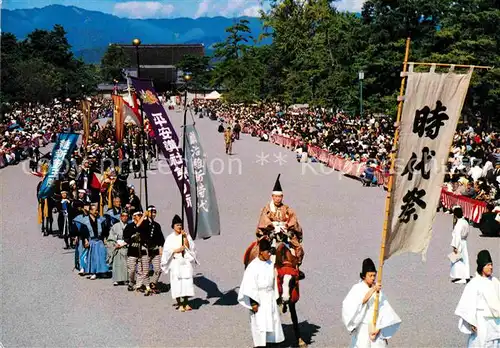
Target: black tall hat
483	258
368	266
264	245
277	190
65	186
176	220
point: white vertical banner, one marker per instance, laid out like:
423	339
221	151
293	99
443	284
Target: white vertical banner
431	110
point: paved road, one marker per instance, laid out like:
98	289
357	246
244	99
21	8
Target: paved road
45	304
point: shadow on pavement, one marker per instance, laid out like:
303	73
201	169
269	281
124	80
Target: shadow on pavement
196	303
230	298
307	331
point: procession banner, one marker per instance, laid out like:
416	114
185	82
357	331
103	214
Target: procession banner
64	147
202	189
432	107
118	117
167	141
86	121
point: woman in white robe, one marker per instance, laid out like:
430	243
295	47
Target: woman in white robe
257	293
460	270
178	259
357	312
479	306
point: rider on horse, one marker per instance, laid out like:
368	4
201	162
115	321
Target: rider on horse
279	223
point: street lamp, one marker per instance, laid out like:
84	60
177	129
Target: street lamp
137	42
361	76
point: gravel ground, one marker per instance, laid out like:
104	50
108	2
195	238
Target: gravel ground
46	304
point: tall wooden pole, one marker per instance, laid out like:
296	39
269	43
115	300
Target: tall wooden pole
387	219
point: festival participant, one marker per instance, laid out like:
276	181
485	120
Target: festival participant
77	234
64	218
228	140
136	235
257	293
479	306
237	130
179	254
113	215
92	239
117	250
155	248
357	312
278	217
134	203
460	269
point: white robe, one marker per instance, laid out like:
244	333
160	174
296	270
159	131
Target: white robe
180	268
480	306
258	284
461	268
357	317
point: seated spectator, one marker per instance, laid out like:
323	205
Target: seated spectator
489	225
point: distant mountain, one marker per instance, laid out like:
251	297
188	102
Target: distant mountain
90	32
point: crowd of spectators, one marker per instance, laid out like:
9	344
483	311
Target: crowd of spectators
474	163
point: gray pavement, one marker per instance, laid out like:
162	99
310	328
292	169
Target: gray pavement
46	304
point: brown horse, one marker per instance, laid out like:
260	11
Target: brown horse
288	276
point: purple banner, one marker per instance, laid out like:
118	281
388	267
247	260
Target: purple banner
167	140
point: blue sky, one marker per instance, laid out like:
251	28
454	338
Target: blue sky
167	8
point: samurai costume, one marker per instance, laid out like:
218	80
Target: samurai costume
64	220
137	255
80	252
358	316
155	243
93	231
117	257
479	307
112	216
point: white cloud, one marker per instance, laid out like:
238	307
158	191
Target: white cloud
143	9
349	5
233	8
253	11
203	8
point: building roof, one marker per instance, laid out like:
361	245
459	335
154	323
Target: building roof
164	55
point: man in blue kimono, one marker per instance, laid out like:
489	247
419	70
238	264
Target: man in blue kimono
92	239
77	233
112	216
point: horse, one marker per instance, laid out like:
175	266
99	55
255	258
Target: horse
288	275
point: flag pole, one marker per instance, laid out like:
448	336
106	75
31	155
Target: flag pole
183	196
391	181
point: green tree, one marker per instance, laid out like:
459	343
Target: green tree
469	35
38	80
113	62
198	67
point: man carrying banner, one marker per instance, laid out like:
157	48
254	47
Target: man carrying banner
357	312
179	254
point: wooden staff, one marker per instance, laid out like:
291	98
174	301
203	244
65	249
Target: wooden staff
390	183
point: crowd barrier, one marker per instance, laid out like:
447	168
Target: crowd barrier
473	209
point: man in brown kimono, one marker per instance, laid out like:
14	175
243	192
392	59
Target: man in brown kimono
277	217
